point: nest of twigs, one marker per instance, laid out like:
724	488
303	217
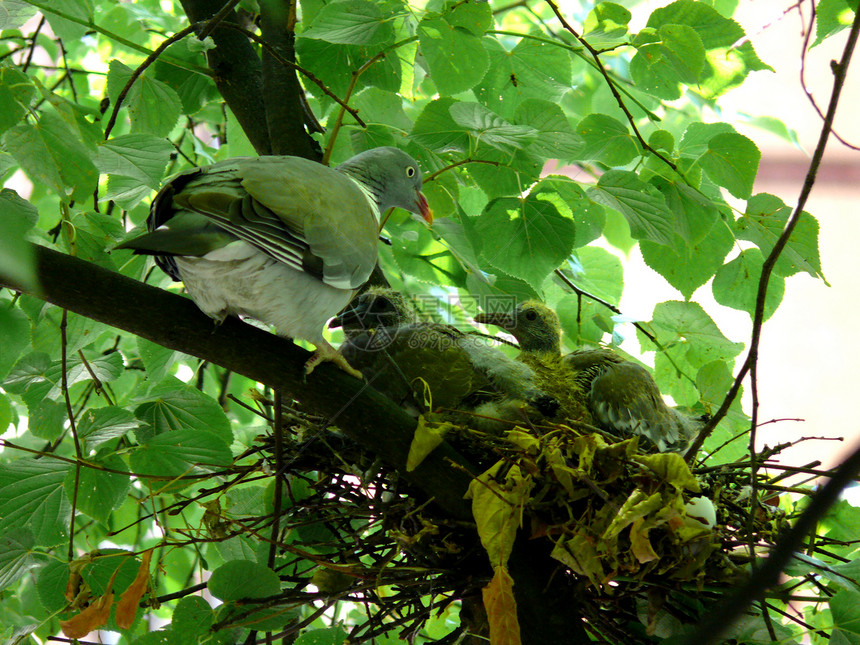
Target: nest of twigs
626	525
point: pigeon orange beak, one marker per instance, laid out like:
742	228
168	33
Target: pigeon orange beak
424	209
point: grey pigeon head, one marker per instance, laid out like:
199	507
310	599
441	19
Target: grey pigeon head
375	308
392	177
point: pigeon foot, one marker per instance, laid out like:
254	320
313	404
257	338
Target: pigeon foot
328	353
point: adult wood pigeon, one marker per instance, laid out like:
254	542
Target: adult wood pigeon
284	240
621	395
424	365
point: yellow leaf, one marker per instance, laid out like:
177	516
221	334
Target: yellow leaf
558	464
580	554
498	508
126	607
640	545
637	506
671	468
525	441
93	617
426	439
501	609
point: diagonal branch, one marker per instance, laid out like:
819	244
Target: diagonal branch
175	322
840	70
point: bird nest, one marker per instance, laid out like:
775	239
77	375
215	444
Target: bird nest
625	526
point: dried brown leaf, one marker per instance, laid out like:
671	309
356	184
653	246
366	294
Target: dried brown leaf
93	617
126	607
501	609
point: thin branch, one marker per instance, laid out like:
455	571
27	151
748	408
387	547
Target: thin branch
809	95
355	76
596	55
840	70
278	430
149	60
729	610
32	50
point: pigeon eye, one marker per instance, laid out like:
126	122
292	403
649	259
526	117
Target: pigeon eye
531	314
410	171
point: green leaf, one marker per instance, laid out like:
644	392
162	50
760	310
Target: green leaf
644	208
673	56
571	201
381	107
600	273
30	370
51	585
157	359
526	238
474	17
502	174
606	25
662	140
416	252
328	635
193	88
695	214
763	222
240	579
688	266
607	140
554	138
69	30
16	555
732	162
16	93
14	13
32	497
51	154
172	405
140	156
153	107
243	579
5	413
532	69
456	58
687	326
436	129
192	619
330	62
696	137
180	452
727	63
845	607
98	425
99	491
736	284
832	16
46	419
353	22
490	128
14	337
160	637
80	332
17	260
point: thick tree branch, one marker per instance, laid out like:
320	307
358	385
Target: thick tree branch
175	322
237	72
362	413
281	90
